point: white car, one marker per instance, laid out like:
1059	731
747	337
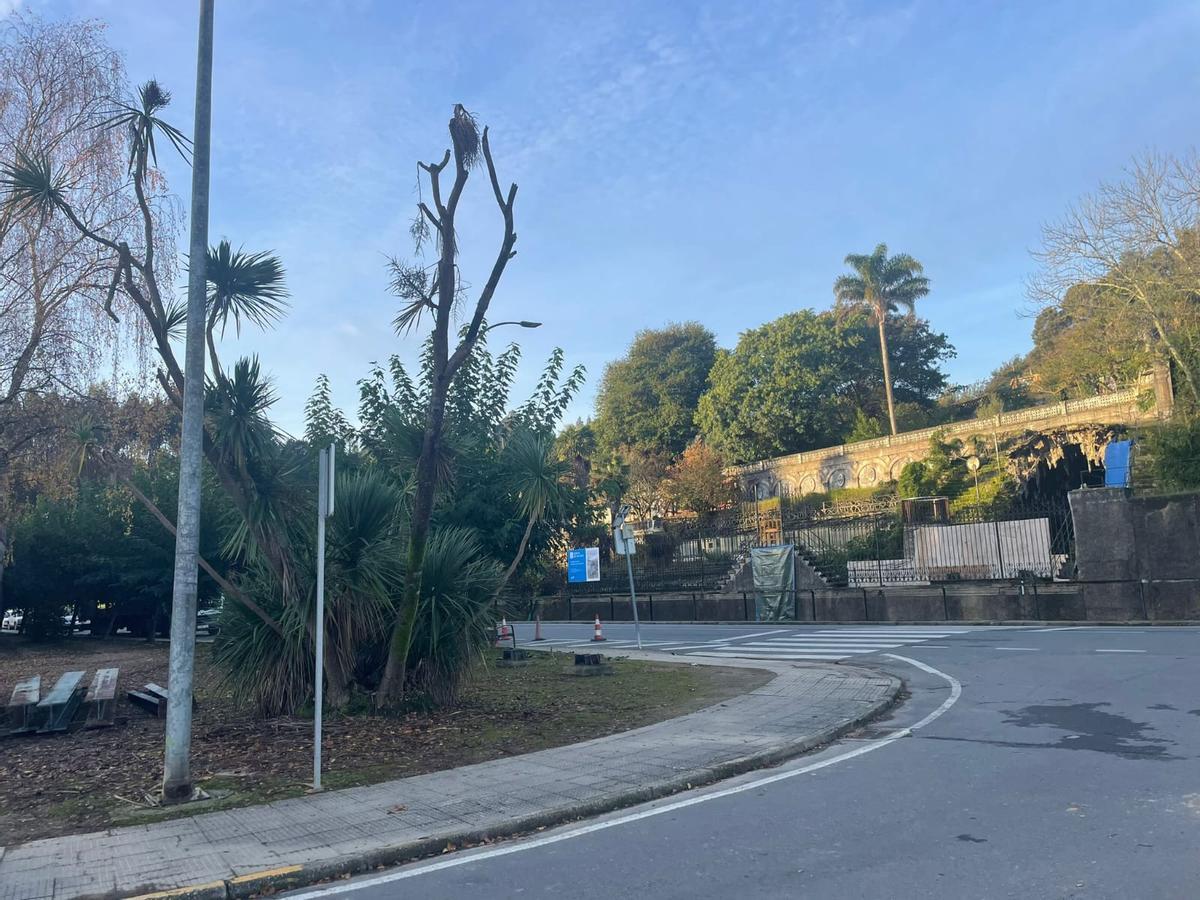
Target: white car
12	620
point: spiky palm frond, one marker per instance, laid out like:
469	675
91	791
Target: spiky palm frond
30	184
457	585
881	283
415	286
364	570
237	413
534	474
240	284
142	121
175	319
87	436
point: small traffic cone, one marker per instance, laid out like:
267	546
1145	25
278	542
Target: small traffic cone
599	635
537	629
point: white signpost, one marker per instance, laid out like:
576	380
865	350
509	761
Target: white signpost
324	511
626	546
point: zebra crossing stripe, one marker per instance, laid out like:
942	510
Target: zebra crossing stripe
801	638
743	637
780	657
913	632
821	645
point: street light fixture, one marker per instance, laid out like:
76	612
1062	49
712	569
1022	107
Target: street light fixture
523	323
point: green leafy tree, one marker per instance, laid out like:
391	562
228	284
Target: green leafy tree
882	285
864	428
916	353
777	391
697	482
647	399
801	381
942	473
1173	452
323	421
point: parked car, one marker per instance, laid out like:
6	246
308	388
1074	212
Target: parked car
12	620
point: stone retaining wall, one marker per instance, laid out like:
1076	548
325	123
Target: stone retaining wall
870	463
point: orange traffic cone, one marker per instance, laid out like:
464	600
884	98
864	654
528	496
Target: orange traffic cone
537	629
599	635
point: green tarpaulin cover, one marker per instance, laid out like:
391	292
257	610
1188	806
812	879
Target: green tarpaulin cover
774	570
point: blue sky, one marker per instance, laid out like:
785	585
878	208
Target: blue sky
710	160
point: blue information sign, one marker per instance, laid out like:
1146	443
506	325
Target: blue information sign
583	564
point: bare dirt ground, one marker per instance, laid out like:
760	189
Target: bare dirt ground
91	779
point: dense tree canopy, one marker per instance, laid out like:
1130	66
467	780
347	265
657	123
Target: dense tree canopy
647	399
805	380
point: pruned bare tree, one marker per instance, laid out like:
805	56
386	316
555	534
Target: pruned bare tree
437	291
1136	241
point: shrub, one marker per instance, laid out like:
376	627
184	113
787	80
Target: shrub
1173	454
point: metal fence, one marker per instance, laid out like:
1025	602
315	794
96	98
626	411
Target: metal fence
872	543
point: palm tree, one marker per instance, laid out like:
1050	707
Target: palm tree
240	284
881	285
536	478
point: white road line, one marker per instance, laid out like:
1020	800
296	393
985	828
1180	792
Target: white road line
1120	651
764	654
821	645
743	637
789	649
912	629
468	857
817	639
1015	648
898	632
1060	628
938	646
837	639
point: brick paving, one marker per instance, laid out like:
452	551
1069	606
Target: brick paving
802	704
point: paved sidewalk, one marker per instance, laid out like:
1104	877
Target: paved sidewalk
234	853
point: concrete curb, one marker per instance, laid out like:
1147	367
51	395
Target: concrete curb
292	877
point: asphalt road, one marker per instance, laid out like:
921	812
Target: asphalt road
1069	766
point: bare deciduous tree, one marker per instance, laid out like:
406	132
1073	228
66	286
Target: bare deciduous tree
1138	241
56	315
437	293
137	265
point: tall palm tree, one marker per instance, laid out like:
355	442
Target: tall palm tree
882	284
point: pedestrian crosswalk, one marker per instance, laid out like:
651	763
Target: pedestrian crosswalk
829	644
